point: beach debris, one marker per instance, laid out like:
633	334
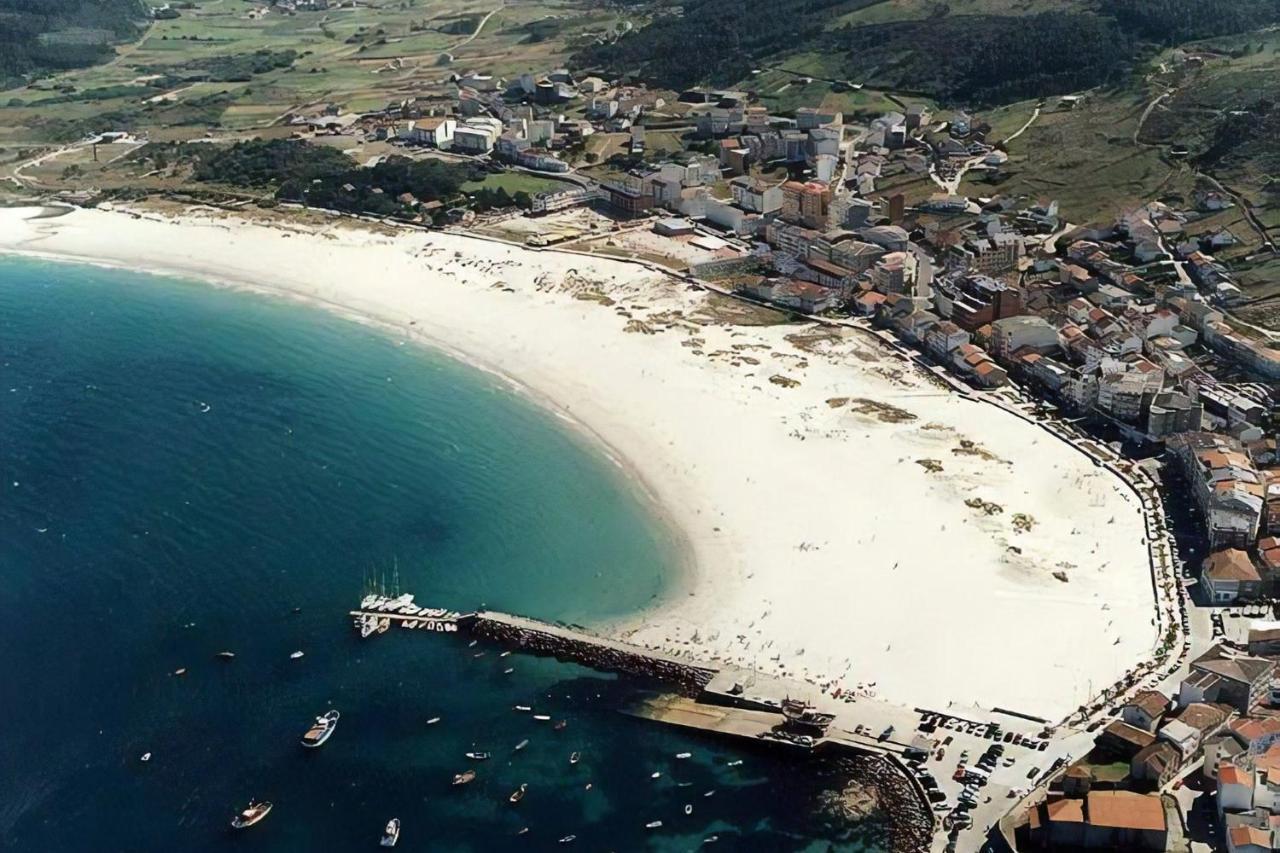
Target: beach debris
784	381
933	466
1061	575
1023	522
883	412
988	507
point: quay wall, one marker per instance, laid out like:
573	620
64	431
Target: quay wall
597	652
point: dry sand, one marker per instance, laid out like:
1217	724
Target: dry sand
847	519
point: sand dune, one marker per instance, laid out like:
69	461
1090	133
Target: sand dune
847	518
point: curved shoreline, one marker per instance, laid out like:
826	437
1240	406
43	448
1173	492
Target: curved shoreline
757	483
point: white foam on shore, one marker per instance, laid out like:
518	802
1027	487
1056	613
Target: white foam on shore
820	545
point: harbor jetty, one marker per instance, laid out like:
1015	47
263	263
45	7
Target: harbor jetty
724	700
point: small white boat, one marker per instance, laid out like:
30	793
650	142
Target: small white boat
684	755
653	824
391	834
504	654
518	794
575	757
710	793
146	756
522	744
508	670
433	721
542	718
296	655
568	838
321	730
524	708
711	839
478	756
655	774
253	813
735	763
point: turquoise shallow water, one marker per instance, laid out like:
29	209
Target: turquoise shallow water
182	466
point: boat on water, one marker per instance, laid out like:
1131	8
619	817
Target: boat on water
568	839
655	774
653	824
523	708
710	793
433	721
575	757
391	834
321	730
252	813
684	755
478	756
508	670
688	808
542	718
522	744
561	725
464	777
711	839
225	655
296	655
518	794
735	763
523	830
146	756
504	654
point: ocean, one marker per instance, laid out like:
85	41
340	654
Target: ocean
186	470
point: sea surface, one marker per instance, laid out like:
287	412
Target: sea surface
186	470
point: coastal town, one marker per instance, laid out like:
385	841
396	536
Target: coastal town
1119	343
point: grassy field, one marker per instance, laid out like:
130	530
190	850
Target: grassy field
514	182
357	57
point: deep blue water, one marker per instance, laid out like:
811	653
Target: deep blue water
141	534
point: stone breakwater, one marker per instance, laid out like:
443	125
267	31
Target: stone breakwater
597	652
878	785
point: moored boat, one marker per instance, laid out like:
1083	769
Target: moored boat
518	794
391	834
478	756
464	777
252	813
542	718
684	755
321	730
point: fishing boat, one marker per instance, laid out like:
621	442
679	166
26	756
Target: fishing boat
478	756
464	777
296	655
684	755
472	644
508	670
735	763
711	839
522	744
225	655
710	793
653	824
433	721
575	757
655	774
522	708
561	725
391	834
252	813
542	718
518	794
523	830
146	756
568	838
504	654
321	730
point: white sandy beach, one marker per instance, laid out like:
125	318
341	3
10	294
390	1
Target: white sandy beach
820	545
